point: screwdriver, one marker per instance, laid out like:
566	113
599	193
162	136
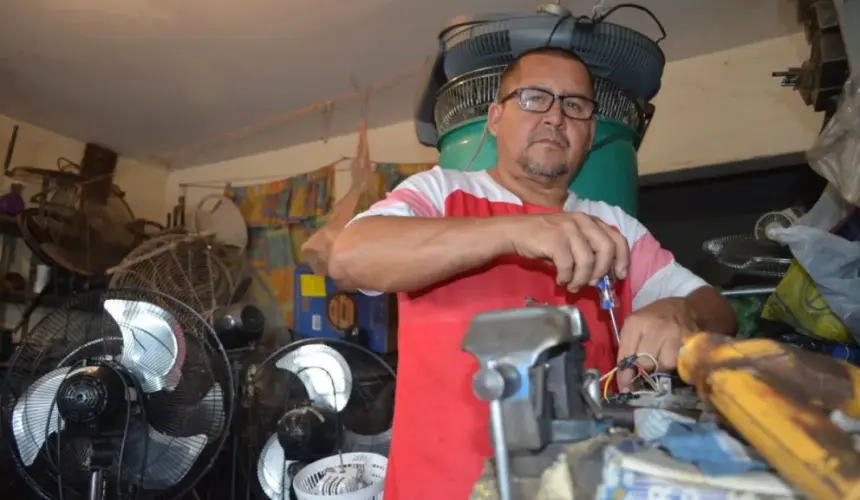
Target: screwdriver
608	303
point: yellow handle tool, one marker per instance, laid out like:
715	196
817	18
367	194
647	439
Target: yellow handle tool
781	399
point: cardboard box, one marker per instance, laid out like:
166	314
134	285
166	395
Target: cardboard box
322	310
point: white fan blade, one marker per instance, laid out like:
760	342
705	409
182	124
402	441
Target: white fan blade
273	471
153	345
155	461
324	373
35	416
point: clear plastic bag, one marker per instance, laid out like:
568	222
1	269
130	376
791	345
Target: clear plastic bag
833	264
819	295
836	154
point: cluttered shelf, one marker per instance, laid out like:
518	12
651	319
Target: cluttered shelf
9	226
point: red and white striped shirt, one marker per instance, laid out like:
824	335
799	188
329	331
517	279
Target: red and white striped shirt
440	432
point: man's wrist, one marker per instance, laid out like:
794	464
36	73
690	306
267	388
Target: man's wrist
499	232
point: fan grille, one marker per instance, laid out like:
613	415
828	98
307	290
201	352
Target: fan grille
469	96
169	437
627	58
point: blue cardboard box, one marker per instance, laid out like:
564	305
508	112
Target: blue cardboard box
323	310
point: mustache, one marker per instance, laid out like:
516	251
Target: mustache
547	135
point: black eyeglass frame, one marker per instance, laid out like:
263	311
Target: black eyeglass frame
518	93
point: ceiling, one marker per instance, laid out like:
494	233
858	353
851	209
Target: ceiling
190	82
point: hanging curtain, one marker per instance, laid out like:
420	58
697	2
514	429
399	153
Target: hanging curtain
386	177
280	216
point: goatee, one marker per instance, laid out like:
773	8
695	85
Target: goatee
546	171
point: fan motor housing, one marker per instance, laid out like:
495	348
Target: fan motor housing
93	400
461	81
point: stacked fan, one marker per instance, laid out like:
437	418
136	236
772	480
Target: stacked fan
120	394
324	410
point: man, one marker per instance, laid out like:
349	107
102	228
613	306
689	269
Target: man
453	244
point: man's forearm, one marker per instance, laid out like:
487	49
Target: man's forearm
404	254
712	312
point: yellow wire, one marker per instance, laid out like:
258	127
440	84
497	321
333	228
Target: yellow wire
608	381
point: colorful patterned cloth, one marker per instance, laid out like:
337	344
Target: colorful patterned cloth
281	216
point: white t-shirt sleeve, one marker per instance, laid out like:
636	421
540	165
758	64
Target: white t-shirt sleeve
653	274
420	195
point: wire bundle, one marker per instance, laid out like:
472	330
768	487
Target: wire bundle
652	381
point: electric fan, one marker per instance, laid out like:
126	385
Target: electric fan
324	410
251	315
117	394
774	221
462	78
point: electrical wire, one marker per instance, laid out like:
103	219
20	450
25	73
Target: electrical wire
633	362
599	18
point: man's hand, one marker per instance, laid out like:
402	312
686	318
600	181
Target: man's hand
582	248
658	329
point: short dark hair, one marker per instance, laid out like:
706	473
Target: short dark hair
549	50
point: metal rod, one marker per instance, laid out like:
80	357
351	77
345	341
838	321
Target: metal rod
615	329
503	471
97	485
10	150
744	292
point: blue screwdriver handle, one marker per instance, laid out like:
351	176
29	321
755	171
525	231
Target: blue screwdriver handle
608	301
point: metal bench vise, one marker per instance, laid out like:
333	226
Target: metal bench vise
540	395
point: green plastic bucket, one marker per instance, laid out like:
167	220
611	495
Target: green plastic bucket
610	173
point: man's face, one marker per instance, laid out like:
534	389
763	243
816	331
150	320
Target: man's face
549	145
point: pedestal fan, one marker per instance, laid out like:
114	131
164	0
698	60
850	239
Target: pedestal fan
323	411
120	394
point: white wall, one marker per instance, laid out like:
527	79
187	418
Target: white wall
712	109
35	147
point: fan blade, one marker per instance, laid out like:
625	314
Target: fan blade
210	411
155	461
323	371
153	346
273	472
35	416
168	412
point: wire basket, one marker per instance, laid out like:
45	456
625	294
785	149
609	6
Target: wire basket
371	465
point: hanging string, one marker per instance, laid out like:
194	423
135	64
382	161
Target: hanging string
256	128
327	116
219	184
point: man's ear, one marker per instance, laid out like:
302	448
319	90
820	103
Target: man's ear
494	114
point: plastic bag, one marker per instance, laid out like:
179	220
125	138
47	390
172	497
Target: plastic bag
836	154
819	296
833	264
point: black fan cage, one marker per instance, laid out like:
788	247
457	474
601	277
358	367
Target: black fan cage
365	421
82	333
469	96
623	56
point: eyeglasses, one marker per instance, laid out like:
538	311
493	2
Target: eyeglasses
534	100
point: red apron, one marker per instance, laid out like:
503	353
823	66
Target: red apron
441	430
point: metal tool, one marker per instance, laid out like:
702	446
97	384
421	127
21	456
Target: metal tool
608	302
540	395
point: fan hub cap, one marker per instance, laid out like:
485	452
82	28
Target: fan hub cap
90	395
